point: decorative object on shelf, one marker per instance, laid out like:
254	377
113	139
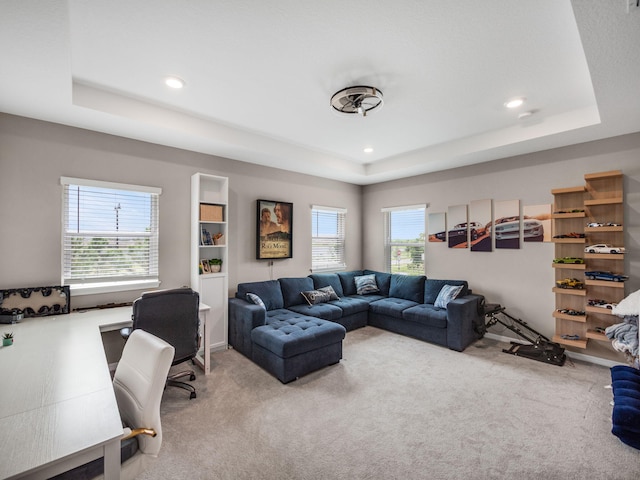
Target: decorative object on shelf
218	239
211	213
274	239
7	339
215	265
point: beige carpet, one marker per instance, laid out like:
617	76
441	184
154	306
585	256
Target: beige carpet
396	408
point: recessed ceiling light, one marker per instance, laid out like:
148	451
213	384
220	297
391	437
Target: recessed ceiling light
368	150
174	82
514	103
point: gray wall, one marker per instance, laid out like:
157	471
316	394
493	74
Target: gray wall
34	155
520	279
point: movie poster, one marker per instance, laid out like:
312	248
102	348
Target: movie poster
274	230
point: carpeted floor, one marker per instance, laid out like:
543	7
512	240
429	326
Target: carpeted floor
396	408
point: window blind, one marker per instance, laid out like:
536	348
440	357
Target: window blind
110	233
328	238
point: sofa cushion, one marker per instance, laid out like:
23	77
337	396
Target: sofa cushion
433	286
327	311
408	287
327	279
346	280
383	280
351	305
297	335
366	284
447	293
427	315
391	307
269	292
292	289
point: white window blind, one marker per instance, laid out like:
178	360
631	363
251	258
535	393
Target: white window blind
405	239
110	236
327	238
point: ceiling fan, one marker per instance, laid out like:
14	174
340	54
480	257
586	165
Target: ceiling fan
358	100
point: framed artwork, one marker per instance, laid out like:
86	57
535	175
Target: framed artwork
437	227
457	223
480	225
506	226
536	223
274	229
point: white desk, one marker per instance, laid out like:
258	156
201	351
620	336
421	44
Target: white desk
57	405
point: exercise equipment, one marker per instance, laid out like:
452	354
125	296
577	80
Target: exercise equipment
541	348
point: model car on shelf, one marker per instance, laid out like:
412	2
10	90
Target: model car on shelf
570	337
597	224
568	260
573	210
571	283
595	302
603	248
570	235
608	276
571	311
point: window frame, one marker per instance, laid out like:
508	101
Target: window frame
389	244
110	284
339	240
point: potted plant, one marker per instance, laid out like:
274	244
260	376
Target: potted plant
7	339
215	264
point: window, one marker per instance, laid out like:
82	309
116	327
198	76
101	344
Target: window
109	237
404	239
327	238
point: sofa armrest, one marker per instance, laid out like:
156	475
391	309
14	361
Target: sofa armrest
464	319
243	318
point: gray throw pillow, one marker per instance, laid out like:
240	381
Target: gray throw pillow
329	290
366	284
315	296
447	293
253	298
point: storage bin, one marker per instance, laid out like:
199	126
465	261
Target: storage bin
211	213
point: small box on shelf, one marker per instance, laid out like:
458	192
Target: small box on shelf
211	212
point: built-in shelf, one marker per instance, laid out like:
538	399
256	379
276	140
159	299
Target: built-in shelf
599	201
573	318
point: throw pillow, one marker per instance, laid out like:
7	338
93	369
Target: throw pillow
314	297
330	291
253	298
447	293
366	284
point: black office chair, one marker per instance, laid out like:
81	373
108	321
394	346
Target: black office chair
171	315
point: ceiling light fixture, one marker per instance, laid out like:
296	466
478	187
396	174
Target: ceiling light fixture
174	82
359	100
368	150
515	103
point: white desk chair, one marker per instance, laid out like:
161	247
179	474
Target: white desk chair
138	383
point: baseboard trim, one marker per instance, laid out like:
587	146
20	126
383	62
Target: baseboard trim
605	362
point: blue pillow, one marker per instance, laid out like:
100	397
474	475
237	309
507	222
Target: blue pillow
447	293
366	284
253	298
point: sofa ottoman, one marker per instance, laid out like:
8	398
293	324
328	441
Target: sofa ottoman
292	345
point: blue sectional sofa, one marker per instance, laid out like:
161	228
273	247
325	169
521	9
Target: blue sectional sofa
293	326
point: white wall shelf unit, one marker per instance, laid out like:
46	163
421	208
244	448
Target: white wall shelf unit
209	240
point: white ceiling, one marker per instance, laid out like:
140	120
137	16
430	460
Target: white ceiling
259	76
